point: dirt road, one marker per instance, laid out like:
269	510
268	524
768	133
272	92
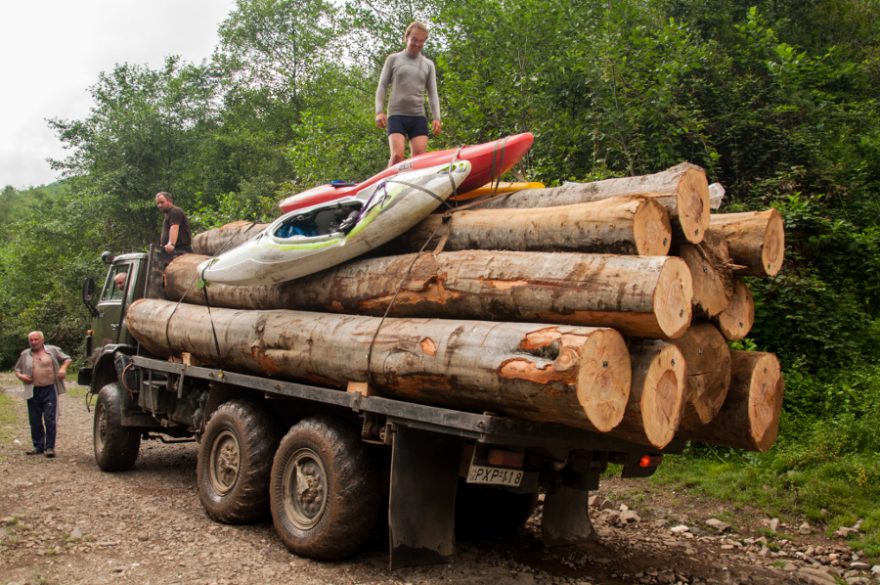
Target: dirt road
62	521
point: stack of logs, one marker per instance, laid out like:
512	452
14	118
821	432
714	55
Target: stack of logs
606	306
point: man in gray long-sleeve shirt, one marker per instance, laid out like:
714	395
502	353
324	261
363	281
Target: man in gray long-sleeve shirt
410	74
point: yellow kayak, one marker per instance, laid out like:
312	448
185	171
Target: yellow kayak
492	188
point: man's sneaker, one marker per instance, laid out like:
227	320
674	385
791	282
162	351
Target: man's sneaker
34	451
50	453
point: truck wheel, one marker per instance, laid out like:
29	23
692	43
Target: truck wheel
235	456
116	446
488	512
324	490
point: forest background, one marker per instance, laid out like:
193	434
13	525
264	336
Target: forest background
776	99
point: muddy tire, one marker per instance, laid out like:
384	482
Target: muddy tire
324	491
235	457
489	512
116	447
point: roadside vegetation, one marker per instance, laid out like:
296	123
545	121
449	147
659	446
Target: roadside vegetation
777	100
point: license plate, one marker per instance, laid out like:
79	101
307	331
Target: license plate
494	475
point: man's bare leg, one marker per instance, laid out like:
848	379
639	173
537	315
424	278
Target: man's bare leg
396	143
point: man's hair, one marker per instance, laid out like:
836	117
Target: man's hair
40	333
166	195
416	24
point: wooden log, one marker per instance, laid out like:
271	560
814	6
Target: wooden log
756	240
749	418
657	396
575	376
683	190
708	373
213	242
644	296
737	319
710	267
621	225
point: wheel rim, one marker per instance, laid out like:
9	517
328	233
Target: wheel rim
225	462
305	488
100	428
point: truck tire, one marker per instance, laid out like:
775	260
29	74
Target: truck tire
116	446
235	456
324	490
489	512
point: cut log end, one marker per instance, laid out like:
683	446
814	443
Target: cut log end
765	401
773	249
737	319
604	379
663	396
651	229
673	298
693	204
708	373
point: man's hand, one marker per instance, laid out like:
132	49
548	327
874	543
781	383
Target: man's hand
24	378
381	120
436	126
168	248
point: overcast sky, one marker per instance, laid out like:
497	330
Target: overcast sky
53	50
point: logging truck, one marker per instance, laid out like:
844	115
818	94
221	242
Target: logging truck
336	467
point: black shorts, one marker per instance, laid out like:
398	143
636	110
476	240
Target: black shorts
409	126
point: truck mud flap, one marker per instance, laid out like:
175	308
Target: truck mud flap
565	520
421	508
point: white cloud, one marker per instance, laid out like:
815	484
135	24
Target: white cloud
52	51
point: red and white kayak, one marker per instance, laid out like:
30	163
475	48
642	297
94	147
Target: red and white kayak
489	161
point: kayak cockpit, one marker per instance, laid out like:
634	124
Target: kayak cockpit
325	220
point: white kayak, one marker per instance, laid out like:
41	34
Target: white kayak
309	240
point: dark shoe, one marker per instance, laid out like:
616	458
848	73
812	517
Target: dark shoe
50	453
34	451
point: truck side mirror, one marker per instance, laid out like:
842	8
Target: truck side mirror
107	257
87	292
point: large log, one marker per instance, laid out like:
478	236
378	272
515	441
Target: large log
657	395
736	320
710	267
708	373
643	296
621	225
576	376
756	240
749	418
683	190
214	242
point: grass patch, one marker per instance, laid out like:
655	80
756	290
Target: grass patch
824	467
8	418
791	482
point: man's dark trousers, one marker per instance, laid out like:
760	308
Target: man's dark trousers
42	413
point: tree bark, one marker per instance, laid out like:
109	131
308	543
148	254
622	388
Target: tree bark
737	319
213	242
749	418
683	190
621	225
756	240
658	393
643	296
708	373
575	376
710	267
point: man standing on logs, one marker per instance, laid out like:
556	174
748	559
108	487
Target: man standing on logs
176	236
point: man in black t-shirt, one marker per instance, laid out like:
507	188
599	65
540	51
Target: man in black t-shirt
176	236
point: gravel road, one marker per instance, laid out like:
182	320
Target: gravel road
63	521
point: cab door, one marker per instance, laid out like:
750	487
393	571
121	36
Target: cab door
109	325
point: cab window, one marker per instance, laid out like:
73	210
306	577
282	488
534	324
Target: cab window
117	282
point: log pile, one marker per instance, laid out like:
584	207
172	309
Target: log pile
605	306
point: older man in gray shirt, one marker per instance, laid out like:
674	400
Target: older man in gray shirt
409	74
42	369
